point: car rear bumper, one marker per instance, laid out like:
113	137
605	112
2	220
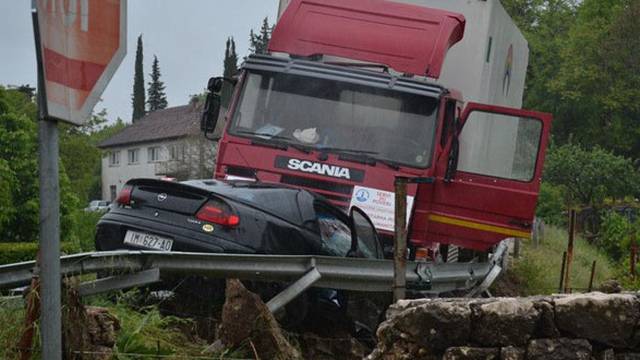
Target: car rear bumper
111	230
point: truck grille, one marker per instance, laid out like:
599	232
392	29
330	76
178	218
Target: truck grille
337	193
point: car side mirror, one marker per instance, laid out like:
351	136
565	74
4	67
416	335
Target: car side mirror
364	237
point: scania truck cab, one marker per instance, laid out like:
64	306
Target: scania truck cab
348	100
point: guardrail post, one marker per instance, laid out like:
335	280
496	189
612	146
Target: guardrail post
400	243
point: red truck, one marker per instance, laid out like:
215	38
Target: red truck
347	100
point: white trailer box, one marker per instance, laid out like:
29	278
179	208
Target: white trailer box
489	65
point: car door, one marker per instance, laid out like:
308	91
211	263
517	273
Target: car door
488	180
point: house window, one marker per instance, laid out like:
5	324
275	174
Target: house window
153	154
112	189
114	158
133	156
176	151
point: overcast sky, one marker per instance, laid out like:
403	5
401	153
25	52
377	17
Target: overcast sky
188	36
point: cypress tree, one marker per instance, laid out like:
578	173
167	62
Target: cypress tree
137	99
230	70
260	42
157	97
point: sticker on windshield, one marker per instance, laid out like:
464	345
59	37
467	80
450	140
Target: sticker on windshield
379	206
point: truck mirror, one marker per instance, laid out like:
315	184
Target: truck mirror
210	114
215	84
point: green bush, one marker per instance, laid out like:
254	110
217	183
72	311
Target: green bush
615	234
550	205
85	230
18	252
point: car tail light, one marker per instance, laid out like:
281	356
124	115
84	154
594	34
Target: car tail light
124	197
218	213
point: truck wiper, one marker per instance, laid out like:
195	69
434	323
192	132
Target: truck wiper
283	143
361	156
344	150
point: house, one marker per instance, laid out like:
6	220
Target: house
164	143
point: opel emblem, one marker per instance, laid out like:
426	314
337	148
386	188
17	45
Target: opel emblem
162	197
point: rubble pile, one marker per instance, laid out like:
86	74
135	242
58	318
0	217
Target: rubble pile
586	326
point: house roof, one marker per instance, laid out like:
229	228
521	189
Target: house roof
171	123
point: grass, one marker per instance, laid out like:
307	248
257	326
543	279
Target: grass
538	270
145	333
12	324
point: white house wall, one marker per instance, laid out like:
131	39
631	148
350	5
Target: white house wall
120	174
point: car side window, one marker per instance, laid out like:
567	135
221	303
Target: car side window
335	234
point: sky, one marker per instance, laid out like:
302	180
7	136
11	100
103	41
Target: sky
188	36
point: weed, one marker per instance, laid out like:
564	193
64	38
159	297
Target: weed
538	270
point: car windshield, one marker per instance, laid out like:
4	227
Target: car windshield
337	116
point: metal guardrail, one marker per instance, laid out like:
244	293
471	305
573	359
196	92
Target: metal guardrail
137	268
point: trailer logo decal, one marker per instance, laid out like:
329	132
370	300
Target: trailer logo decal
312	167
508	69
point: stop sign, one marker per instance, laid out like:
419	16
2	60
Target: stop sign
82	43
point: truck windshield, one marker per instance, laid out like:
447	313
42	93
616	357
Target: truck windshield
337	116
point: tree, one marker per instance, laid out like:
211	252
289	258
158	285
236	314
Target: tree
588	177
137	99
599	79
157	97
80	156
19	195
230	70
259	43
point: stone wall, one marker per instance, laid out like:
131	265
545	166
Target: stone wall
585	326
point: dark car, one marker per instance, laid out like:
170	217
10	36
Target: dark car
233	217
250	218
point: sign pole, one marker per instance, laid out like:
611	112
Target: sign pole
51	314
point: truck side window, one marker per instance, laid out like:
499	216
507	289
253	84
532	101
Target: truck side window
500	146
447	126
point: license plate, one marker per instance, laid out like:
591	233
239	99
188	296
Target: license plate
148	241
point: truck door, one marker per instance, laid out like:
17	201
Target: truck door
488	180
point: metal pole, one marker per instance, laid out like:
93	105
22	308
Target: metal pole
593	274
572	233
51	318
564	263
400	246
